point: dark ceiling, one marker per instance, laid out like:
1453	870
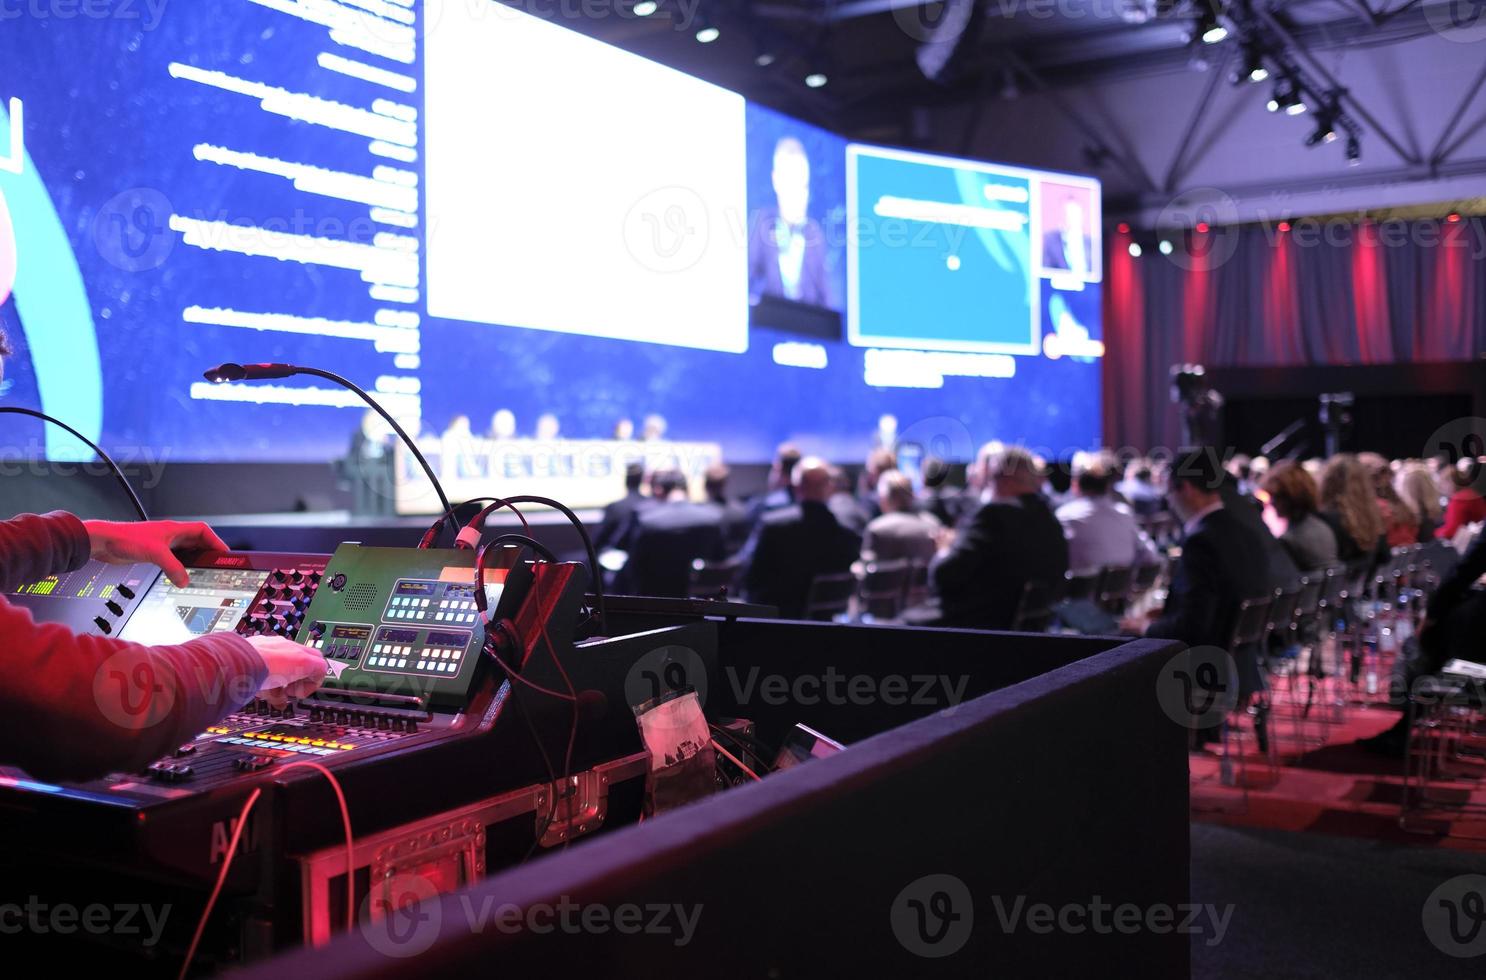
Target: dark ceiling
876	90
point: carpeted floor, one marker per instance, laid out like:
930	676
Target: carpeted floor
1308	905
1335	788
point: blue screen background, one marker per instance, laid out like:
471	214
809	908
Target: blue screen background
110	135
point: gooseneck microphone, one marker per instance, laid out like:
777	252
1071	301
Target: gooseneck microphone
113	467
264	372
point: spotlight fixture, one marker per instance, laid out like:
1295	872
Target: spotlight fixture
816	79
1135	250
645	8
1209	29
1354	151
1326	115
1123	228
708	34
1165	246
1286	97
764	59
1251	68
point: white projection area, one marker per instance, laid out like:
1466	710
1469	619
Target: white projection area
577	188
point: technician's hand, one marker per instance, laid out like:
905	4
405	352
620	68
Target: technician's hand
294	671
120	543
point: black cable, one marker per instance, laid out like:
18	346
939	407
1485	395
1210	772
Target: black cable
412	446
595	574
113	467
431	535
551	776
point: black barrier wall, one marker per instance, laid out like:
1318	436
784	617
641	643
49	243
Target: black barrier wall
1039	830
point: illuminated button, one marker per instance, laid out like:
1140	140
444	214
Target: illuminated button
423	665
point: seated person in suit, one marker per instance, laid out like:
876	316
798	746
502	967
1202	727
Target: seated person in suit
1101	531
794	544
736	523
881	460
665	538
1222	563
901	533
781	492
844	504
981	570
1294	498
617	516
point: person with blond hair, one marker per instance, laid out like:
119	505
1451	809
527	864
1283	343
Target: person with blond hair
1400	523
1415	486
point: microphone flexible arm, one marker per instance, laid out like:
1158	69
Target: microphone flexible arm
238	372
113	467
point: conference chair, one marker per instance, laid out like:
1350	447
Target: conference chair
1034	610
1251	708
1113	591
881	590
714	579
1082	584
830	596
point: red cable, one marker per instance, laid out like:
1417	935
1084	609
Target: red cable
242	821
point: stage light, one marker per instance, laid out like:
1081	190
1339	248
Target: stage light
1354	151
1287	97
1165	247
708	34
1453	217
1135	250
1284	226
645	8
1202	227
816	79
1326	114
1251	69
763	59
1123	228
1208	27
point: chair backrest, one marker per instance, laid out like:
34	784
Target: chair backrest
714	579
830	595
1081	585
882	588
1034	610
916	584
1282	607
1113	592
1144	578
1251	623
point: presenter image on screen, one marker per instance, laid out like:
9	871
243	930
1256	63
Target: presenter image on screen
787	248
1067	230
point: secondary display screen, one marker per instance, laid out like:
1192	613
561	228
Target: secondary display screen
214	602
422	196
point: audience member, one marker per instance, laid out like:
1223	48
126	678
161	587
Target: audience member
1416	488
1101	531
1400	524
1139	489
780	492
736	523
1350	506
901	532
879	461
1294	497
795	543
1466	504
844	504
619	514
1222	563
980	571
665	538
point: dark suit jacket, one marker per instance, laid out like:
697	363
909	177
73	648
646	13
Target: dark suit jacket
663	543
618	516
1007	544
763	261
792	546
1223	562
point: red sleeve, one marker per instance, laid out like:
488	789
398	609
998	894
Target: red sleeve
33	547
77	707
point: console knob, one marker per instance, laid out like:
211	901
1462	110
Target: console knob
103	624
114	607
126	592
